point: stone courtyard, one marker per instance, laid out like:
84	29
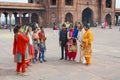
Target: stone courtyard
105	66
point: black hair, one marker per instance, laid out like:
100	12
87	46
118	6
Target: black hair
74	40
17	27
15	30
63	25
87	26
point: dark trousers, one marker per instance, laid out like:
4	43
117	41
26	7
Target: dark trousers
41	55
63	50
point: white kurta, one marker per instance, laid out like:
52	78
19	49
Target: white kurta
79	57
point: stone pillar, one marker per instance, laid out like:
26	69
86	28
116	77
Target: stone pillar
116	20
30	17
62	11
6	14
15	15
10	15
20	16
0	20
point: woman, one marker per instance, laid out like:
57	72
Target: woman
79	56
30	49
19	47
87	45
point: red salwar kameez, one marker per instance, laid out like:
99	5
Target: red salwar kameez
19	46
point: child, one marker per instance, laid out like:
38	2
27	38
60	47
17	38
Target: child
72	50
42	50
35	42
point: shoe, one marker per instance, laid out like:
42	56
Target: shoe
44	60
40	61
61	58
87	64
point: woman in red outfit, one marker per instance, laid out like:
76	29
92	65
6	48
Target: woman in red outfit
19	46
30	48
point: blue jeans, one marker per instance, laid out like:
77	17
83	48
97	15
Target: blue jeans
35	56
41	55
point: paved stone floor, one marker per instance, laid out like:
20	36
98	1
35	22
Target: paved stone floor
105	66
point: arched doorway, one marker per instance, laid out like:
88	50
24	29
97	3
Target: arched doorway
34	18
108	18
87	16
69	17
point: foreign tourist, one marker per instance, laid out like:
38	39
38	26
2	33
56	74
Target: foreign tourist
79	56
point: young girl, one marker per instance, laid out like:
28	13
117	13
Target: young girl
35	42
72	50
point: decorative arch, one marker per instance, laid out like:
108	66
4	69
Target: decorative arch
87	16
69	17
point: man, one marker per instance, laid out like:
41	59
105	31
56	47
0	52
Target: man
87	45
63	41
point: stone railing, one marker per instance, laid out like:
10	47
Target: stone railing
20	5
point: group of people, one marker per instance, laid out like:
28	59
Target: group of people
76	43
105	25
28	44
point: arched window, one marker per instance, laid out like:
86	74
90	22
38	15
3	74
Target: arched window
68	2
108	3
53	2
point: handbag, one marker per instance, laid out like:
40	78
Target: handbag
18	58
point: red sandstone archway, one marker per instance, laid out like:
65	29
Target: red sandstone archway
69	17
87	16
108	18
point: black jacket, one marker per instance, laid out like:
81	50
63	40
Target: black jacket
63	37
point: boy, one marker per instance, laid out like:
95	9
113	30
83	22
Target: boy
42	50
63	41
